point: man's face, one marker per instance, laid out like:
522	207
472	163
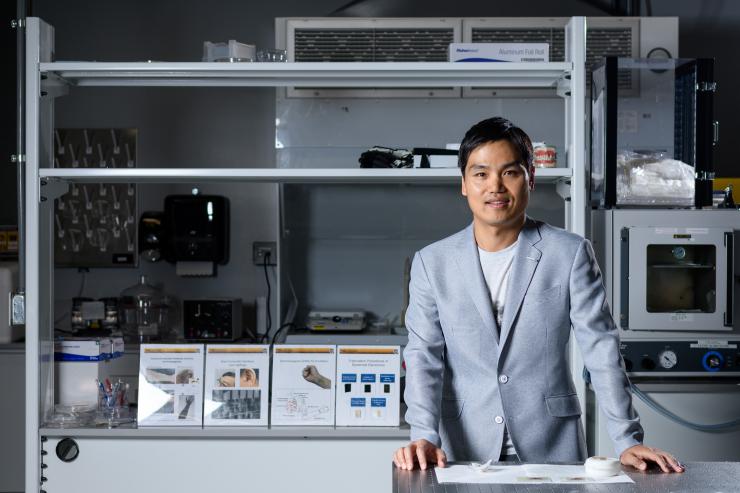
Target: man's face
497	185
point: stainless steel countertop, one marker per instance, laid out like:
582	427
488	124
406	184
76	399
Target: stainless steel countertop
699	476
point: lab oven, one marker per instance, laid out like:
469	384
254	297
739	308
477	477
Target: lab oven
671	284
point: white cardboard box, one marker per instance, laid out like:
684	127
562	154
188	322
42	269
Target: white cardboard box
77	364
499	52
303	384
72	349
117	347
237	385
368	391
171	385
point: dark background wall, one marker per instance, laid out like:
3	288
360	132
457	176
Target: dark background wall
174	30
8	197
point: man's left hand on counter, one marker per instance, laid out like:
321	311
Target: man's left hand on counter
640	456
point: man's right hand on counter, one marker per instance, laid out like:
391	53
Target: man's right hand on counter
421	451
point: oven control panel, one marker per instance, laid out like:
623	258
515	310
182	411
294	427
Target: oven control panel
681	358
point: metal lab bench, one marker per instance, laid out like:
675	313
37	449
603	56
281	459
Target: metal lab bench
12	415
180	459
699	476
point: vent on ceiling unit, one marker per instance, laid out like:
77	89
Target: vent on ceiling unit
600	42
555	37
372	45
384	43
611	41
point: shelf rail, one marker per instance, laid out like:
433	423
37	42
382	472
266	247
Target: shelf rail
309	74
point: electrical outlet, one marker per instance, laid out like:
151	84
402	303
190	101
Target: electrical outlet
261	249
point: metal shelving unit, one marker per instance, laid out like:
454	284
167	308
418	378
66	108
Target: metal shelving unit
275	175
46	79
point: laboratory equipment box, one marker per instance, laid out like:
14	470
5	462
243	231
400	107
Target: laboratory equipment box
652	133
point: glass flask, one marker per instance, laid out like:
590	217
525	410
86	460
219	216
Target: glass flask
144	312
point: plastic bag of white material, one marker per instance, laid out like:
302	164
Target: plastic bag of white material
653	179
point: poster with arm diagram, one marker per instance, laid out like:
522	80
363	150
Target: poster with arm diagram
368	385
237	385
303	385
171	385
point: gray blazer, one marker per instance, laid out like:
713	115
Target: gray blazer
465	378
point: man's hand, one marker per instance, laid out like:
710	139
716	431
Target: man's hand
638	456
421	451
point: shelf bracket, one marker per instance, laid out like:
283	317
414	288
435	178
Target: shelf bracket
562	187
563	89
52	189
53	85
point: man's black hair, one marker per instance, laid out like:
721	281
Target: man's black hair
492	130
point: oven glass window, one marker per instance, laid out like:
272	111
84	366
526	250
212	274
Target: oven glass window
681	278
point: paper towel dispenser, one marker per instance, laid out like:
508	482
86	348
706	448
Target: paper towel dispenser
197	233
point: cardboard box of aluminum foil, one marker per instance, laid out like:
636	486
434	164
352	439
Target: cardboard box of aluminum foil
499	52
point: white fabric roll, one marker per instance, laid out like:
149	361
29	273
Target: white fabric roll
602	467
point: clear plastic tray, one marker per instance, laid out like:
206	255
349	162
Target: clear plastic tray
71	416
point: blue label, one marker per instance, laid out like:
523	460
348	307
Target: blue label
480	59
367	377
357	402
349	377
77	357
387	378
377	402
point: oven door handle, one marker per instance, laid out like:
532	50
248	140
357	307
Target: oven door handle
624	285
729	308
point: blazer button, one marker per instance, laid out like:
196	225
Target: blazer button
503	379
498	419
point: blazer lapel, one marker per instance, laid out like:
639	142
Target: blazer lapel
526	258
472	275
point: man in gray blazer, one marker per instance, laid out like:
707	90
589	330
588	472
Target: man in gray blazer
489	318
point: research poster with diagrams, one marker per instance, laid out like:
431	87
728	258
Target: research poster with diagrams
303	385
170	385
368	391
237	385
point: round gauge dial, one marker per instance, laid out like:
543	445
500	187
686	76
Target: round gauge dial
667	359
679	252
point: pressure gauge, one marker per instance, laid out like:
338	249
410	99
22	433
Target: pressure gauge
667	359
679	252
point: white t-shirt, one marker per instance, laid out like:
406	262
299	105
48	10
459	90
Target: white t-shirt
496	268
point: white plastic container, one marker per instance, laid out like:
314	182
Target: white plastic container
231	51
77	364
8	282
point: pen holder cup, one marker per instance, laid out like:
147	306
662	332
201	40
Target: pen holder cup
113	408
